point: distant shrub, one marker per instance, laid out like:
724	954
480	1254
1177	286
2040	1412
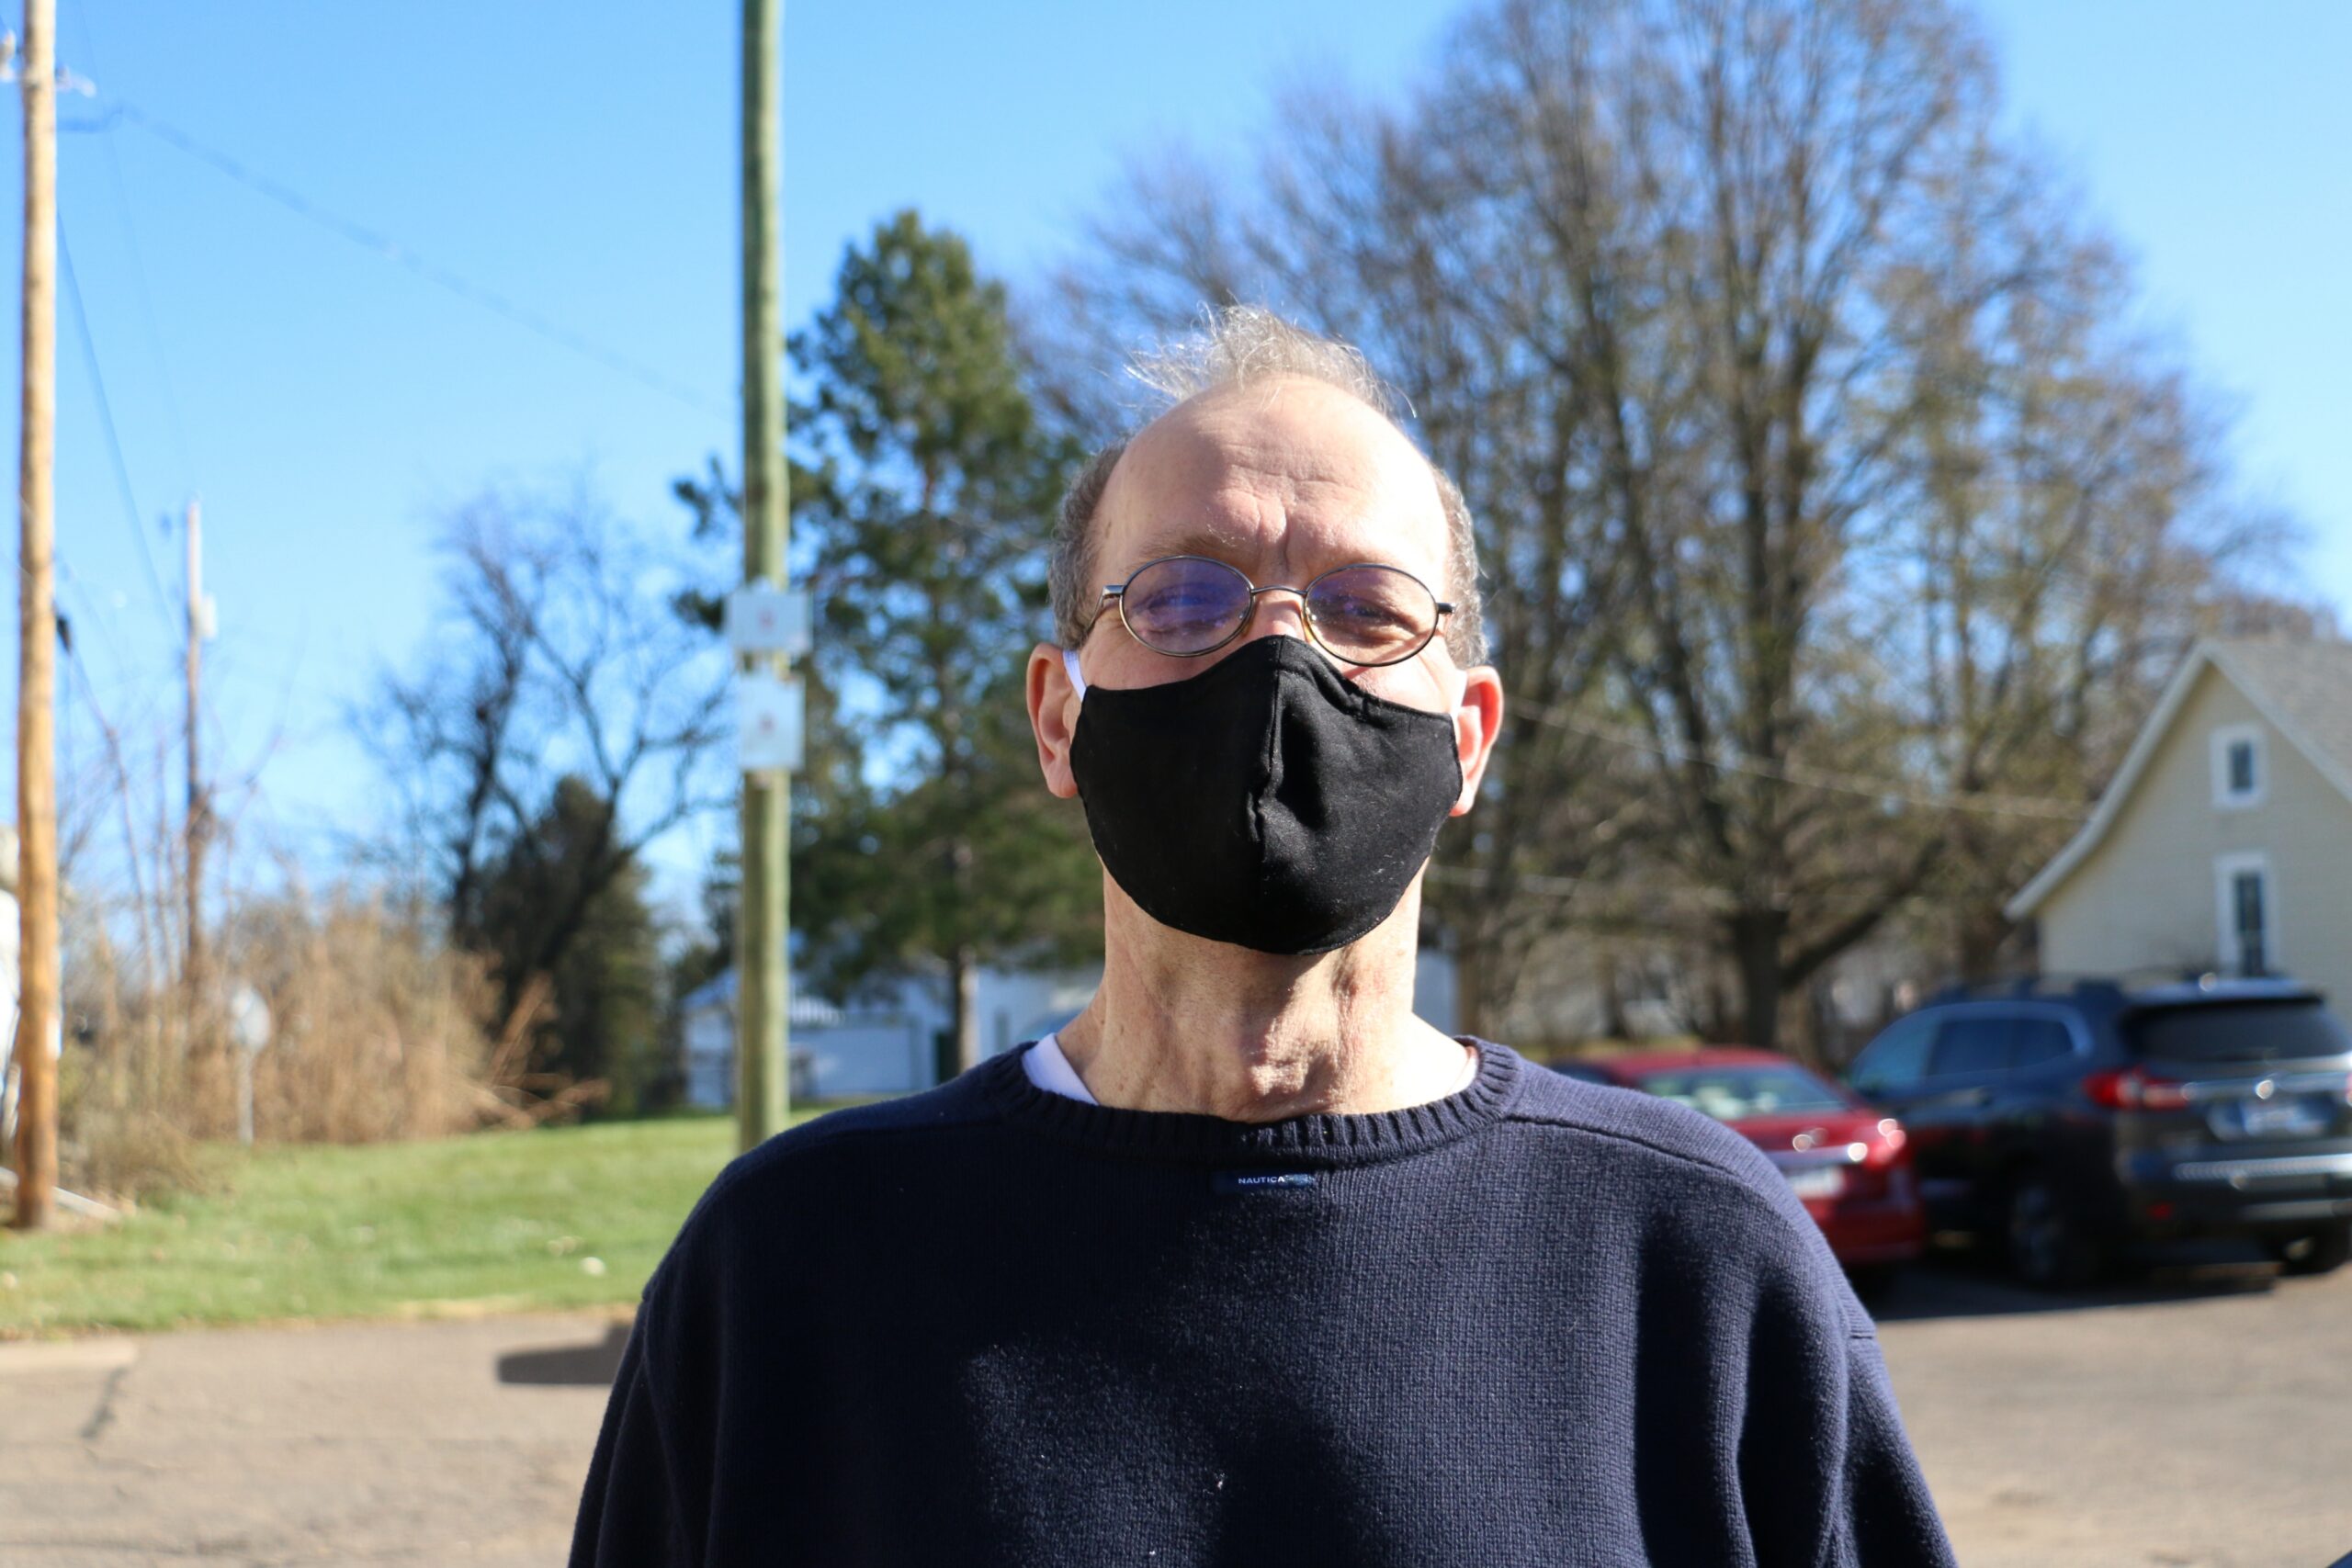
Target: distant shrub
375	1035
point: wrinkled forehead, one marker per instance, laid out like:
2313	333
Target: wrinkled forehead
1283	478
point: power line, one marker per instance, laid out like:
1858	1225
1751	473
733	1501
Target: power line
391	250
139	265
1814	778
113	739
98	613
106	419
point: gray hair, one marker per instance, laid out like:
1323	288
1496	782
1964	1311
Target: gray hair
1235	346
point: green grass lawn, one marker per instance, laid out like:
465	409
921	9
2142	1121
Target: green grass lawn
560	1217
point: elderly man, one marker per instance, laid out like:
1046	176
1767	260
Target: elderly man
1249	1265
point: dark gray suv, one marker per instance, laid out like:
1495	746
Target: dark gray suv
2074	1120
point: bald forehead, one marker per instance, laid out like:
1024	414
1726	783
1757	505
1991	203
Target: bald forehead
1284	475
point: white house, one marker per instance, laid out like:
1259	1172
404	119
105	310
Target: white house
887	1044
893	1044
2225	841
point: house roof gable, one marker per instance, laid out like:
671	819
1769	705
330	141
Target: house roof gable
2302	690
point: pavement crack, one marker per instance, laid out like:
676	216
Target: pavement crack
103	1416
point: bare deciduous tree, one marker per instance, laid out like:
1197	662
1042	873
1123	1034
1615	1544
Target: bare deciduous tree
562	656
1836	529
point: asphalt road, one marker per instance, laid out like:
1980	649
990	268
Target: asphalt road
426	1443
2197	1418
2201	1419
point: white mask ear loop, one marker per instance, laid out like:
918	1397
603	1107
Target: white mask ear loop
1070	662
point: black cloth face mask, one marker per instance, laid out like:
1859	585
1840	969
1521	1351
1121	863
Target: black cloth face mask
1268	801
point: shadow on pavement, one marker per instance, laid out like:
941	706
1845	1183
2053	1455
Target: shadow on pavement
1972	1283
578	1366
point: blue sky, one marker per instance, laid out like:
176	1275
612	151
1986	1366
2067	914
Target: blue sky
326	403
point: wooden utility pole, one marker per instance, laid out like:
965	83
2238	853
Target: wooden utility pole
37	1005
763	995
199	820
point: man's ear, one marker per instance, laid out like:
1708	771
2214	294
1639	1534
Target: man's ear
1477	720
1053	717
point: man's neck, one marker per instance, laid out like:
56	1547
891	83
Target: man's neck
1183	1024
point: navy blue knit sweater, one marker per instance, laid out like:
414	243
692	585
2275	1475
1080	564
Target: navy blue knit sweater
1539	1322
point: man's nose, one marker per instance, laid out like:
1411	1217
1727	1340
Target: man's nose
1281	611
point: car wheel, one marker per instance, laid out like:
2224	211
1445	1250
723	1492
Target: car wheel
2321	1254
2049	1247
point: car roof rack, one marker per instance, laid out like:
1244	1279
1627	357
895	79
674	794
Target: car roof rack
2152	983
2101	987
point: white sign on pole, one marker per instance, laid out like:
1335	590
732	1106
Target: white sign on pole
763	618
248	1018
767	721
249	1027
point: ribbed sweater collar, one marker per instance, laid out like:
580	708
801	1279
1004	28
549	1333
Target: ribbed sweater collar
1313	1141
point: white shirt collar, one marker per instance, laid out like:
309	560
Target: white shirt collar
1051	1071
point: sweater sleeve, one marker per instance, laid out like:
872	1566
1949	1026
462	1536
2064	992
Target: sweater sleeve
1884	1517
1827	1476
629	1510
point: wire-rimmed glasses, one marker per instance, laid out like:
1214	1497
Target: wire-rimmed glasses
1362	614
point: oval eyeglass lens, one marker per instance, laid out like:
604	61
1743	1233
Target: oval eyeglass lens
1184	605
1372	615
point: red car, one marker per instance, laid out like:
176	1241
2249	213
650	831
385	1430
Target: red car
1850	1165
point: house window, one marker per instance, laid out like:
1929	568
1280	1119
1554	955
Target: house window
2238	767
2246	907
2246	900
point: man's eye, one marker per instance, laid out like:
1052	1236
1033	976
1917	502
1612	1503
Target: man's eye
1181	601
1366	613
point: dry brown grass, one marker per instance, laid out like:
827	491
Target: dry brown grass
375	1036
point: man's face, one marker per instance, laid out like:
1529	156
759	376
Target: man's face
1284	479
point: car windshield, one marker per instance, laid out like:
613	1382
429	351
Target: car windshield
1732	1094
2238	1031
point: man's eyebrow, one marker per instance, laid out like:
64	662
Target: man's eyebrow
1199	539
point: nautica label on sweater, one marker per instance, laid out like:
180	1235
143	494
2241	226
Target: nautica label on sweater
1233	1183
